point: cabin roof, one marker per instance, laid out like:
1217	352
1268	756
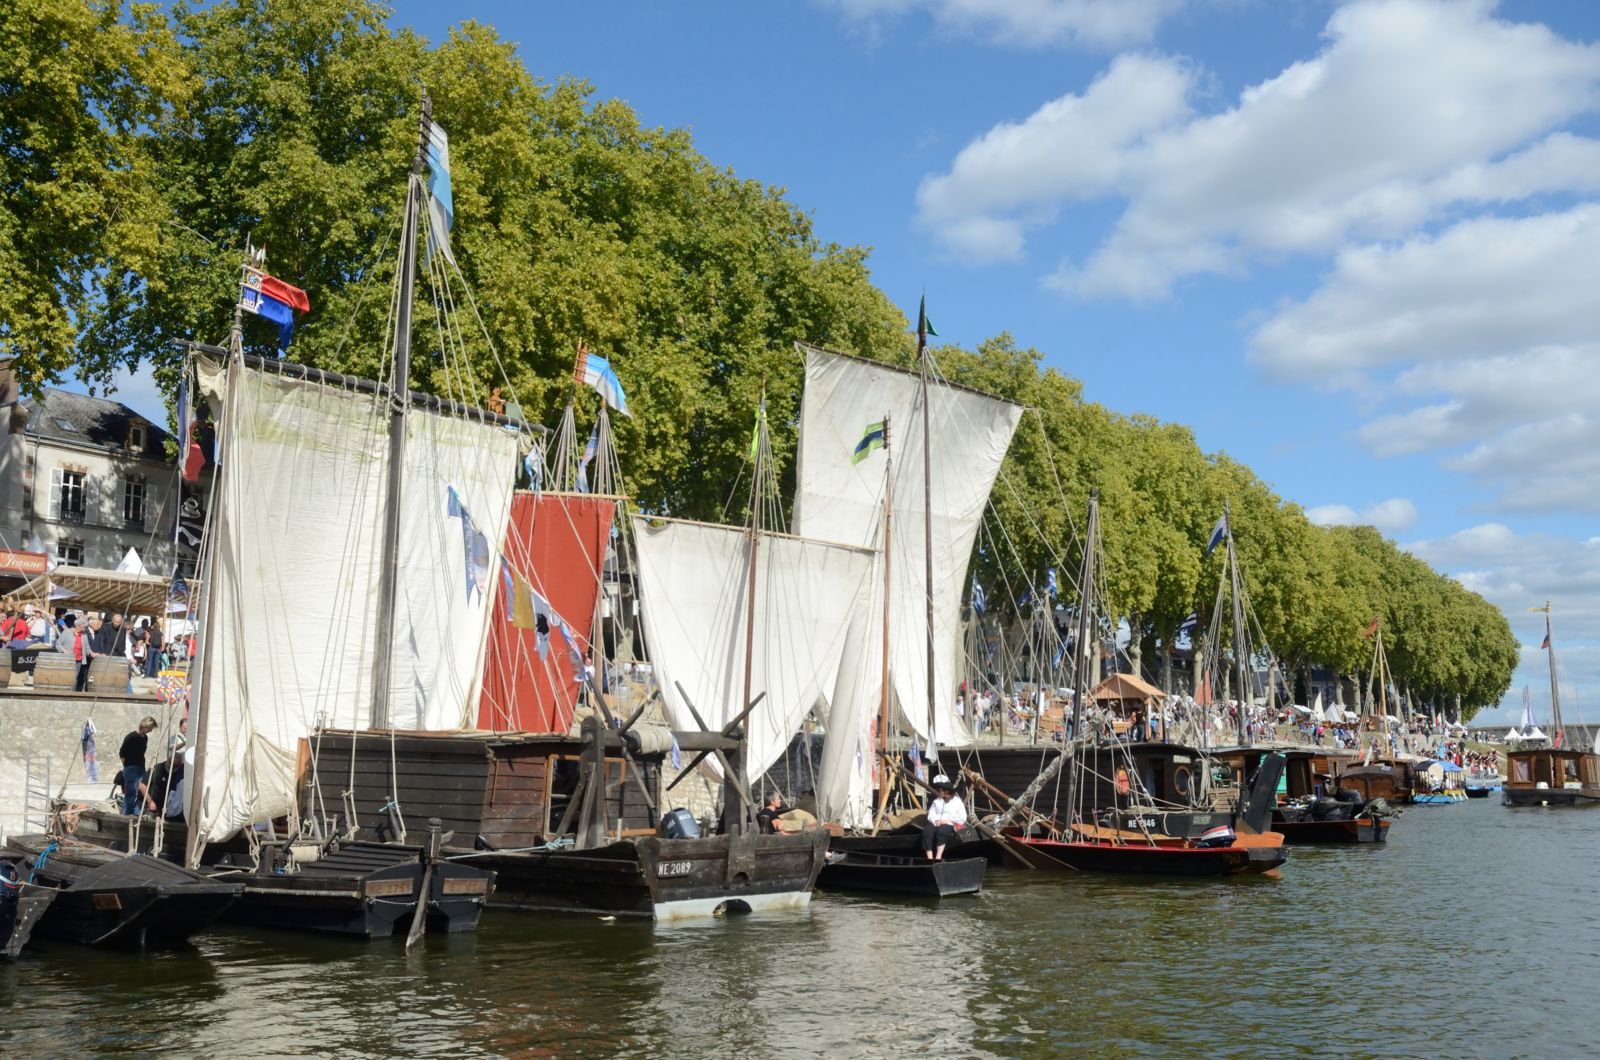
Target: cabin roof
1126	686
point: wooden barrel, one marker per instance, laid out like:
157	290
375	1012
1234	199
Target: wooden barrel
109	674
55	670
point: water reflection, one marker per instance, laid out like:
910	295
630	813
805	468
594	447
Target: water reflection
1397	952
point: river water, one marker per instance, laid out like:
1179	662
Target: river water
1471	934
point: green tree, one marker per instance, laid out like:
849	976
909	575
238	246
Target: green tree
82	84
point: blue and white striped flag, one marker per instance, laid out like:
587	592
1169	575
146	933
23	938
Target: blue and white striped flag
441	205
1218	532
979	601
594	370
677	753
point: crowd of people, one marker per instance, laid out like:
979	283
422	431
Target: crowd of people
84	636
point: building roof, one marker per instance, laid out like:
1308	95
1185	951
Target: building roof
77	419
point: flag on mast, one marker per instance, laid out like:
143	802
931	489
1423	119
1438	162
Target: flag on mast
872	438
594	370
269	297
924	325
441	204
1218	532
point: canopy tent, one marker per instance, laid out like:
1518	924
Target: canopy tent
1443	763
100	590
1122	689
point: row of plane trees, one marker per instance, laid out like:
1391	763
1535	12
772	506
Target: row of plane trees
148	153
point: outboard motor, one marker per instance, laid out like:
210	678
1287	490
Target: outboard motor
1380	808
1220	836
1328	810
678	824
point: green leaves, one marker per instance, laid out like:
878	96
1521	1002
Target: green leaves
141	149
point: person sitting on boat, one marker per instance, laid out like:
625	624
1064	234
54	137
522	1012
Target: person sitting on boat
946	817
767	816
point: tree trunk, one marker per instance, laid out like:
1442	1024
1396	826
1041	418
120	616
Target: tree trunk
1135	645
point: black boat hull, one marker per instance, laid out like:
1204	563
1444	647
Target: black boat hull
365	890
1549	797
664	879
104	899
353	893
1350	830
908	876
908	844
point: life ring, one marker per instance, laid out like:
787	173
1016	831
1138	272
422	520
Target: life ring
1121	782
1180	780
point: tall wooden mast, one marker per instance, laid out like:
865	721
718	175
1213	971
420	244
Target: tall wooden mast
927	517
399	403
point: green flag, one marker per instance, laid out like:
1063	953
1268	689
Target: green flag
755	432
924	325
872	438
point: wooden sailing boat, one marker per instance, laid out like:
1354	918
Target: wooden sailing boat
1558	774
898	673
335	492
1124	814
582	824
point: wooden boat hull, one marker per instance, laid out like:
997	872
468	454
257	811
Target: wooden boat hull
1510	796
130	901
1353	830
1149	860
908	876
367	890
908	844
663	879
1481	793
21	906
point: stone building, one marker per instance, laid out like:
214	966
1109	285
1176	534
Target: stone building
84	479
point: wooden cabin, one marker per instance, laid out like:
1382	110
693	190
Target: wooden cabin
1550	774
494	791
1391	781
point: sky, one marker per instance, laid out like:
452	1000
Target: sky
1354	245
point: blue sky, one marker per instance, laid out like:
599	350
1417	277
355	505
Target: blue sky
1354	244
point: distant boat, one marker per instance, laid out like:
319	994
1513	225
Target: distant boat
1556	773
1141	809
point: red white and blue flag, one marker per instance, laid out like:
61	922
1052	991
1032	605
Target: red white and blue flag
269	297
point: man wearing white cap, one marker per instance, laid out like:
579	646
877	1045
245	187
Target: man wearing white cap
947	814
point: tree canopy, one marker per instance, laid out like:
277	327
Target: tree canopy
143	147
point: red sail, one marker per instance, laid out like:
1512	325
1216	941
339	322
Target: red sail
556	542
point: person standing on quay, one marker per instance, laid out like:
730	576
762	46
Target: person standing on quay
132	754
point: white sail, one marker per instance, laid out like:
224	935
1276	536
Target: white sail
838	500
296	537
693	582
1526	722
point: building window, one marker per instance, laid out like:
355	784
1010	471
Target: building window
133	502
72	495
69	552
136	437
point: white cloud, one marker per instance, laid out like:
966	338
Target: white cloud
1016	175
1482	287
1026	23
1393	516
1482	335
1518	571
1412	107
